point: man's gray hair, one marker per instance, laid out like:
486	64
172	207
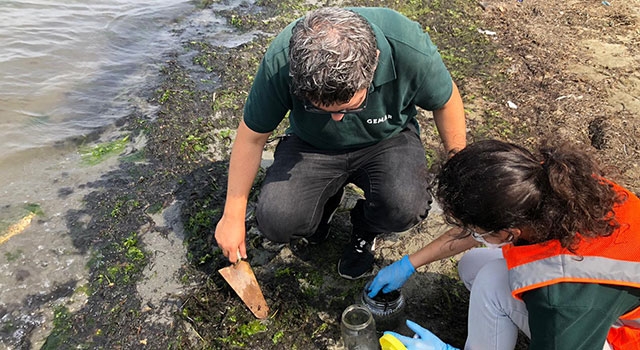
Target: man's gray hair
333	54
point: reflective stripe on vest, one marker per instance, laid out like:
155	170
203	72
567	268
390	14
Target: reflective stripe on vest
569	268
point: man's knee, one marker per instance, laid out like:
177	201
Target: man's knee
279	225
394	219
404	215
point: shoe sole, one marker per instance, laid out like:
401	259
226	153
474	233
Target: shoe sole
364	274
352	278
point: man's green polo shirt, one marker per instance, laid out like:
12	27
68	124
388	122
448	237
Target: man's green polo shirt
410	73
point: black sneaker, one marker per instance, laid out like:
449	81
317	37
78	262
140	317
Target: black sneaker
330	208
357	259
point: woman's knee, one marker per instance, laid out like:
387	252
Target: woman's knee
473	261
492	293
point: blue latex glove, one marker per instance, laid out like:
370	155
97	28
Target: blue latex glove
423	340
392	277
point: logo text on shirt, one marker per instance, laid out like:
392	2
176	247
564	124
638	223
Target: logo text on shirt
379	120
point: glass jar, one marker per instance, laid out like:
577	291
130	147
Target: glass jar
387	308
358	329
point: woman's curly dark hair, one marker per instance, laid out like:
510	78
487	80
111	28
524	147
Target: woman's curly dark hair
496	185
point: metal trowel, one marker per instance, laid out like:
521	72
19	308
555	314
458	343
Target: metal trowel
241	278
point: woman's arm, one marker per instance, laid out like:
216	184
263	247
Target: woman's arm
446	245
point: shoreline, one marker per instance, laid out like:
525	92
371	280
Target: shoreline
152	273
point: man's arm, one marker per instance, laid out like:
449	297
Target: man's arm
451	123
243	167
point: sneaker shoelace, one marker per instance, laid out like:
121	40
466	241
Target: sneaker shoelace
360	244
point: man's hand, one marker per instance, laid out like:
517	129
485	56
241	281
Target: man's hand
230	236
243	167
392	277
423	340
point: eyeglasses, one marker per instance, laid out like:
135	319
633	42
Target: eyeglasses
480	237
309	107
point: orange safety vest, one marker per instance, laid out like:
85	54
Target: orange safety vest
613	260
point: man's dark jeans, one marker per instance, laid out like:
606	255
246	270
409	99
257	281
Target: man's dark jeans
392	174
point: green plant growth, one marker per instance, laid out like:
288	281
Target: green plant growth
229	100
155	208
277	337
202	217
83	289
242	22
493	125
62	324
243	333
124	206
133	260
11	257
135	157
432	157
34	208
193	144
98	153
251	328
166	95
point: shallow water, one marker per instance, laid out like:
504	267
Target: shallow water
70	66
69	69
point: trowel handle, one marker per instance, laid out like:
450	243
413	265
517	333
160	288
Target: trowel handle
239	256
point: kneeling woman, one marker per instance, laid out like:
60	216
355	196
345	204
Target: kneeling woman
568	273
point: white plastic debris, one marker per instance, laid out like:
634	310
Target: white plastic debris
512	105
486	32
